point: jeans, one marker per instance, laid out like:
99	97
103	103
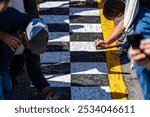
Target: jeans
6	55
1	89
5	81
142	25
33	68
5	85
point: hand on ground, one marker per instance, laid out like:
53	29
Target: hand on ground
99	44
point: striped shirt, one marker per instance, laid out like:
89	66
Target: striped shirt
131	10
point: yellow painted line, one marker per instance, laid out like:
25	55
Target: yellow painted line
117	85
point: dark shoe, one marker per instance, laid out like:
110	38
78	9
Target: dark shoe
51	95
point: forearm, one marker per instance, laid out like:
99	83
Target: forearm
12	41
2	36
116	33
31	7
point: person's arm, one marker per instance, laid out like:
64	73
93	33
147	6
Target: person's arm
116	33
145	46
113	37
31	7
141	56
12	41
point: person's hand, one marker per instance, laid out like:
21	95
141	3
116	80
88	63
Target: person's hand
138	56
99	44
141	56
145	46
24	39
10	40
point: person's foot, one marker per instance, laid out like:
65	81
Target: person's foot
50	94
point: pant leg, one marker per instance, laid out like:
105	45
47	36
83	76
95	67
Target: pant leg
16	66
6	84
143	75
6	55
5	59
34	71
1	89
125	43
142	25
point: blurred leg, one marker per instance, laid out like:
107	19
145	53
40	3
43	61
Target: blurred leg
142	25
16	66
1	89
6	84
5	59
34	71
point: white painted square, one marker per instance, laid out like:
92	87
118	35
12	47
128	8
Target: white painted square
55	4
84	11
58	80
84	46
86	28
